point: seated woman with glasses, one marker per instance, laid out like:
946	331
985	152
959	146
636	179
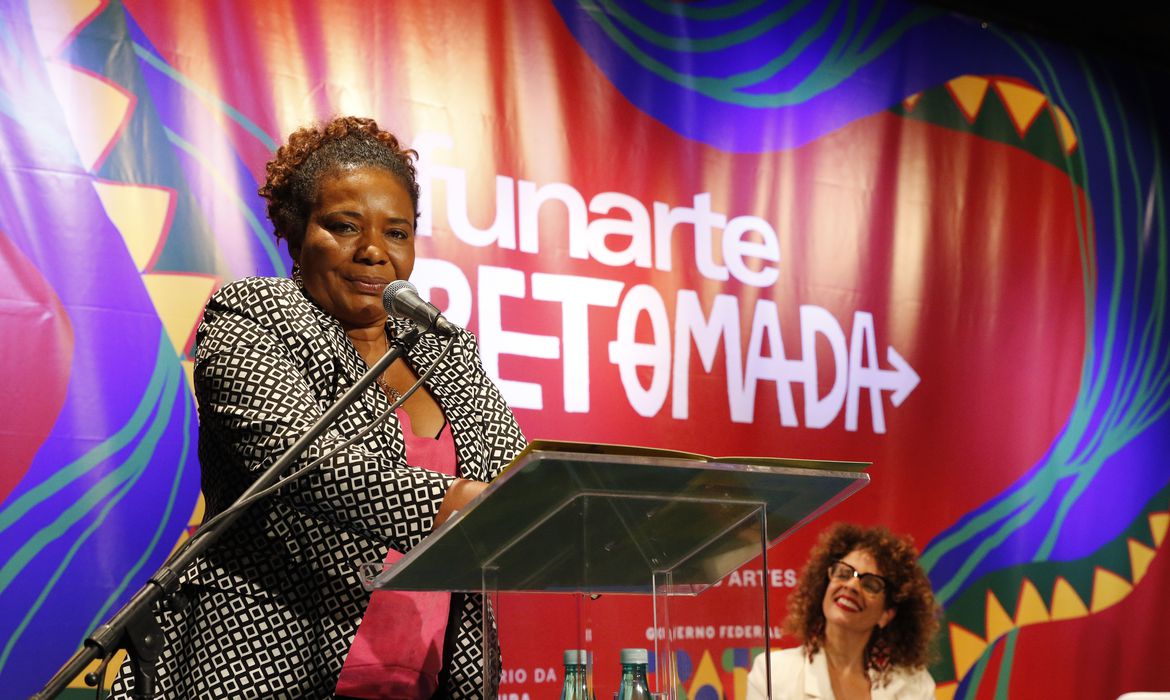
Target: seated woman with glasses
866	615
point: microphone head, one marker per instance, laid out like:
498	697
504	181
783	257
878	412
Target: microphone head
401	300
391	292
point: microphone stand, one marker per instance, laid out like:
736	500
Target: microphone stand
134	627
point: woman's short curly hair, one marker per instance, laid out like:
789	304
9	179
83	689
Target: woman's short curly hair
323	149
907	640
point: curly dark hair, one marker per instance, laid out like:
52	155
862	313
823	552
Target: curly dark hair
313	152
907	640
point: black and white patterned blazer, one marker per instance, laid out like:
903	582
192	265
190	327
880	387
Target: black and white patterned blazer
275	603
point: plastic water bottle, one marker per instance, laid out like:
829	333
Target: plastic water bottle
575	686
633	685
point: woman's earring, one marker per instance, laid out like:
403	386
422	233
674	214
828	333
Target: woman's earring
297	279
879	652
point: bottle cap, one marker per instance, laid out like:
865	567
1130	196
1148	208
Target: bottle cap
635	656
576	657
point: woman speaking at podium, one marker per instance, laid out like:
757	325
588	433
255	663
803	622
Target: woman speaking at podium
866	615
276	608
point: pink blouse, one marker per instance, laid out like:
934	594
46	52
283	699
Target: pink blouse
398	650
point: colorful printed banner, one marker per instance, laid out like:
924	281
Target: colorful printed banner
868	231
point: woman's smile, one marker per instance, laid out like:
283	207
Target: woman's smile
846	601
366	284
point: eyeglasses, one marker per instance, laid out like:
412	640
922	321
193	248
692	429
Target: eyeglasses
870	583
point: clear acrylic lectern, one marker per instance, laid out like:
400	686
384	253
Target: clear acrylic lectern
597	519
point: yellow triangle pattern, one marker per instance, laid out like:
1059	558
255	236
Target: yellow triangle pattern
1159	523
1031	609
94	110
998	621
53	22
1108	589
967	647
179	299
946	691
139	213
1140	557
1023	104
912	101
111	672
1068	137
1066	604
706	674
968	92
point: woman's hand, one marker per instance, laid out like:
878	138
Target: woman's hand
462	492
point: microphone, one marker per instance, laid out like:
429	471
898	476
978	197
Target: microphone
401	300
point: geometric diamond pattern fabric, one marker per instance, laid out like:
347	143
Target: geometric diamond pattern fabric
273	606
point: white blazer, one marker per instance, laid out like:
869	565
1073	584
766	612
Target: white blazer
795	677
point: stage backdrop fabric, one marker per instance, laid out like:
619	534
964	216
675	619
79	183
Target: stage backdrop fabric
853	230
